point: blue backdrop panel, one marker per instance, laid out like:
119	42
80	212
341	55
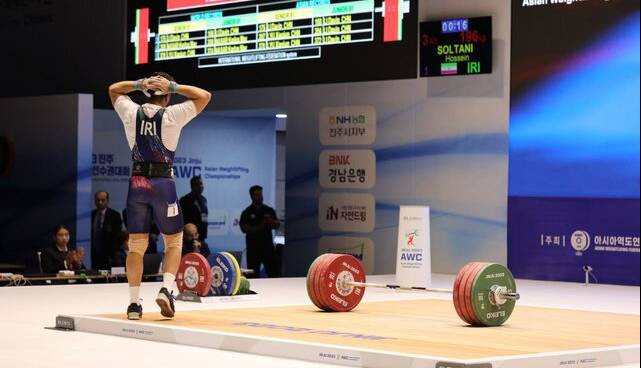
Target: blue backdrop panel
574	142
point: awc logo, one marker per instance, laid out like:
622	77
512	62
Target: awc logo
411	237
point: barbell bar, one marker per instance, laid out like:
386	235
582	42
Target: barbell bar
501	292
484	294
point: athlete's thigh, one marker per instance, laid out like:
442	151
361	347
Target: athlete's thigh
138	206
166	209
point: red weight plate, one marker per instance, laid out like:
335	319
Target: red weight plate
468	292
320	278
316	280
194	274
320	271
465	292
310	280
461	293
456	290
346	268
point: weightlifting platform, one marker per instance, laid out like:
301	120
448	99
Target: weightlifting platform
403	333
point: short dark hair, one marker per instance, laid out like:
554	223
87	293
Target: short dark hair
195	178
255	188
164	75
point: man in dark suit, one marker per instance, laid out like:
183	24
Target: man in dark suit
106	226
194	207
257	222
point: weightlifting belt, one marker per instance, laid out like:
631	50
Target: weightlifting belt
152	169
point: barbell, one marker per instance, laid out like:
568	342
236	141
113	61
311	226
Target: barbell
484	294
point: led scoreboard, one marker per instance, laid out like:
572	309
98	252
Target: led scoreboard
460	46
246	43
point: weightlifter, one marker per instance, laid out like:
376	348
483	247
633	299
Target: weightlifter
152	131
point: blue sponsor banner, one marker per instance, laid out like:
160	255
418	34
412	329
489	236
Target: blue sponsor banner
554	238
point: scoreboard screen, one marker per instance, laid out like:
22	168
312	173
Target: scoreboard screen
460	46
223	44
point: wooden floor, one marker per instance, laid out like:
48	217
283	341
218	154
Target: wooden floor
425	327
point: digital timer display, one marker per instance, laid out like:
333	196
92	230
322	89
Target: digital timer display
461	46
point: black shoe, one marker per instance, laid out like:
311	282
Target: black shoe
134	311
165	301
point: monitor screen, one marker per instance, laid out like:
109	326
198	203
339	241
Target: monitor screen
230	44
460	46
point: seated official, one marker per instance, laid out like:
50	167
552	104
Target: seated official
59	256
191	242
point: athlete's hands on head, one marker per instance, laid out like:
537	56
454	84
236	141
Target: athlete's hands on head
146	84
159	84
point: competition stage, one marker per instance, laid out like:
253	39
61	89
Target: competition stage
554	325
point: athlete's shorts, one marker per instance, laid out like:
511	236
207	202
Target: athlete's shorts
153	198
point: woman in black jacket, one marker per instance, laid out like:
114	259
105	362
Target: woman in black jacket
59	256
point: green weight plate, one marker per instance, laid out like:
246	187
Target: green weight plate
244	286
488	311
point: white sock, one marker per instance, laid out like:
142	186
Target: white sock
134	294
168	280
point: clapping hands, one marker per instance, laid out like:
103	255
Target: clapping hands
74	258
